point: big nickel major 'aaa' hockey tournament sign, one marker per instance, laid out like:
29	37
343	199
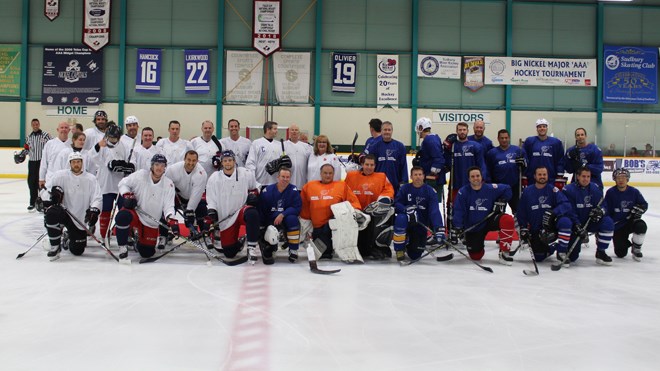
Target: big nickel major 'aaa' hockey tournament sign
266	26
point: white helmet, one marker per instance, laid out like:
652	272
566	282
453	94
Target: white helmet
542	122
272	235
75	156
131	120
422	124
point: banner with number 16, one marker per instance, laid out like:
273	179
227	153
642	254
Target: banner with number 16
147	72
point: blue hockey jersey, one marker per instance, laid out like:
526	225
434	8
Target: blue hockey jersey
465	155
582	200
426	200
391	160
272	203
548	153
591	156
431	156
486	143
618	204
502	167
472	206
534	202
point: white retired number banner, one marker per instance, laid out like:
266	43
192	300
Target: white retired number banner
244	76
292	76
96	24
439	66
147	71
387	75
541	71
197	71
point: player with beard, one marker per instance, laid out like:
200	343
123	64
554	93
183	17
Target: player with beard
460	155
236	143
479	127
131	125
505	164
584	154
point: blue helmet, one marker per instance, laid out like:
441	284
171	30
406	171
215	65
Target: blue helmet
159	159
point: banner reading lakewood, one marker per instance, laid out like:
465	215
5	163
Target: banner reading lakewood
541	71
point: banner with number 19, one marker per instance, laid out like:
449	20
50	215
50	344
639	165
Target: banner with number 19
147	72
344	71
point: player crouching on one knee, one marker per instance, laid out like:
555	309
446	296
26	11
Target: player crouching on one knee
417	209
476	201
280	205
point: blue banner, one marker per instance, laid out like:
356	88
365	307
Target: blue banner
197	71
73	76
630	75
344	72
147	72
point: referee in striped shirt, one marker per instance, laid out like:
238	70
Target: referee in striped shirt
35	143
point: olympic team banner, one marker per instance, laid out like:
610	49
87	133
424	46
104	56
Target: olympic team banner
51	9
387	86
10	70
147	71
541	71
243	78
197	71
96	24
473	69
439	66
630	75
344	71
292	76
73	76
266	26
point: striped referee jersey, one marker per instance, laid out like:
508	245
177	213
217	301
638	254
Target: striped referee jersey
36	142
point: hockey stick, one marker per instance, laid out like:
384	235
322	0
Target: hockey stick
534	272
195	242
355	138
487	269
35	244
311	256
106	238
557	266
89	233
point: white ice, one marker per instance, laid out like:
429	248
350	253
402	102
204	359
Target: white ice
90	313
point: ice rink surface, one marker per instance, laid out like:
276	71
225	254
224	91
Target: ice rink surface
91	313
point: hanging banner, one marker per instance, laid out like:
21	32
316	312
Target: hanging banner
439	66
292	76
96	24
147	72
197	71
73	76
266	26
630	75
10	70
387	76
473	69
243	77
51	9
541	71
344	71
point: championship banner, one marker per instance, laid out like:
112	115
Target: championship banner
51	9
243	78
292	76
541	71
630	75
10	70
266	26
439	67
147	72
73	76
197	71
387	76
96	23
344	71
473	69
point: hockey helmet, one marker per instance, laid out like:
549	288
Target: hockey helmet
159	159
422	124
113	131
131	120
227	153
621	171
272	235
99	113
542	122
75	156
19	157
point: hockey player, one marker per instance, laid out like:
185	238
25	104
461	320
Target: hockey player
375	129
505	164
545	217
430	156
416	206
77	145
479	127
390	157
375	193
460	155
318	197
266	158
231	194
174	147
153	193
52	148
626	205
280	206
473	203
145	151
96	133
206	146
236	143
542	150
585	198
323	154
299	153
130	139
584	154
78	192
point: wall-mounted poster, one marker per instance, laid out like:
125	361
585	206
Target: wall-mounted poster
630	75
73	76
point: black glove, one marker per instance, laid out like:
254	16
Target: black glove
355	158
596	214
411	211
189	216
216	160
118	166
417	160
499	206
174	226
637	212
130	202
574	154
549	219
454	235
449	141
210	219
92	216
285	161
521	161
56	195
273	166
19	157
580	232
524	236
252	198
129	168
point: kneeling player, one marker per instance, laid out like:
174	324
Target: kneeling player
626	205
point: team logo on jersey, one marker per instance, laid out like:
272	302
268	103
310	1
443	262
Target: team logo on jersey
511	157
625	205
545	149
587	200
389	153
324	192
543	200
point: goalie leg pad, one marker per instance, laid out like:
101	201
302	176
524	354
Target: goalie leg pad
345	232
306	228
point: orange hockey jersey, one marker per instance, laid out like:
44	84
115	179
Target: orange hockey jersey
317	198
367	188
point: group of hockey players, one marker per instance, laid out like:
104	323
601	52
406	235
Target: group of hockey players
282	193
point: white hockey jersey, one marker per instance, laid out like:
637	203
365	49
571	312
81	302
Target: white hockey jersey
315	162
108	179
52	148
191	186
92	137
227	195
173	151
241	148
80	192
261	153
155	199
128	141
205	150
143	156
62	159
299	153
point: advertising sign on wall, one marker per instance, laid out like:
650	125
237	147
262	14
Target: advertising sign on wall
541	71
72	76
630	75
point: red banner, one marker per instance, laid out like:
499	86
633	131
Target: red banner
266	26
51	9
96	24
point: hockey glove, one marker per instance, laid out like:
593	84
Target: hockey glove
522	162
524	182
216	160
454	235
524	236
560	182
117	166
440	236
580	232
637	212
129	168
56	195
130	202
449	142
354	158
273	166
417	160
549	220
411	211
252	198
596	214
210	219
174	226
189	216
574	154
92	216
499	206
285	161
